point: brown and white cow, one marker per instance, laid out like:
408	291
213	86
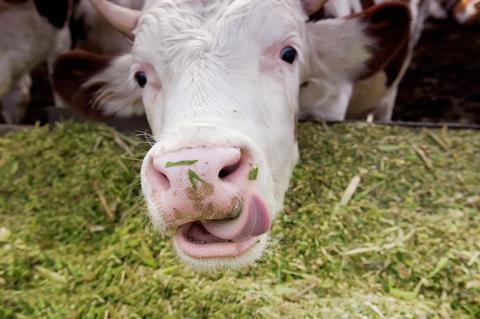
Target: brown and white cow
31	31
465	12
219	82
325	96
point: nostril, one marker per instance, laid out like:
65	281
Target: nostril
162	180
228	171
158	179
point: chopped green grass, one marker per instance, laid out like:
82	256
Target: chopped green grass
180	163
194	178
253	174
403	241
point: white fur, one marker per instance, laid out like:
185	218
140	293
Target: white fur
120	95
26	40
252	255
205	60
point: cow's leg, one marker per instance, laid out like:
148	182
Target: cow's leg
6	76
56	98
385	108
15	102
367	95
62	45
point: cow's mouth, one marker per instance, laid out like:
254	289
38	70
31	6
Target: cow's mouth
197	242
225	238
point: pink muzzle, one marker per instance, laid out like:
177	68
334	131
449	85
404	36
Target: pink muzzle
208	195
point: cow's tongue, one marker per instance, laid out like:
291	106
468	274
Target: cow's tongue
198	234
253	221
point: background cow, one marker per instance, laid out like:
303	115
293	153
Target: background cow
219	82
31	32
35	32
327	96
465	12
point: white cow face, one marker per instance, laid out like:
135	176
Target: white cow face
219	83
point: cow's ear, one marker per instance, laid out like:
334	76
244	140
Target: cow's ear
97	86
57	14
358	46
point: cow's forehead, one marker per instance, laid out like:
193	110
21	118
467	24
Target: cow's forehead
188	14
207	8
175	29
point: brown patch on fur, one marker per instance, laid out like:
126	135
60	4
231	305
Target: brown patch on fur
367	3
393	69
389	25
395	66
71	71
318	15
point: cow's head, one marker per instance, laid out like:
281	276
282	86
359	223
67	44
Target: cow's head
219	83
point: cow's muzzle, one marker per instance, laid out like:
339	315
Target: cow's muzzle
207	195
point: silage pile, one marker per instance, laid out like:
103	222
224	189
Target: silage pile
75	243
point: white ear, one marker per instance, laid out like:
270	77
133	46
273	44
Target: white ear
97	86
360	45
340	46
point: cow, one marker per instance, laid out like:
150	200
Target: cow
219	82
41	32
466	12
32	31
326	100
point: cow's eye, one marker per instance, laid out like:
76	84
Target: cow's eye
141	78
288	54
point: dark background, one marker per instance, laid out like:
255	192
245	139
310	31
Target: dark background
443	82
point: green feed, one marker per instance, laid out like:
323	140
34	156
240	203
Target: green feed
380	222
